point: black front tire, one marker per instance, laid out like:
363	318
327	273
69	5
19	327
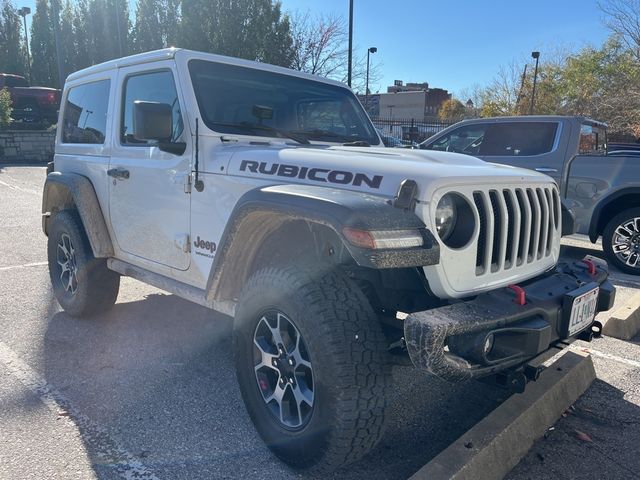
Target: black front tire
82	284
610	238
347	350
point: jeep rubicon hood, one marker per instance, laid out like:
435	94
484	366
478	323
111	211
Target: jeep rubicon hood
370	169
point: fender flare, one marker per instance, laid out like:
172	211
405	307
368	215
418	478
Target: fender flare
604	202
261	211
71	190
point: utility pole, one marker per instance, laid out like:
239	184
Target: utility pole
23	12
535	55
350	42
117	17
56	38
524	76
366	91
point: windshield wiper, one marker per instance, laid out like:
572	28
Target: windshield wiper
357	143
265	128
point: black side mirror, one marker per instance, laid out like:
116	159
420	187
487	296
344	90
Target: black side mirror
152	121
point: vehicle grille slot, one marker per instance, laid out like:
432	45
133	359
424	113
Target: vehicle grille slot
556	209
534	232
513	228
500	224
544	223
482	237
525	226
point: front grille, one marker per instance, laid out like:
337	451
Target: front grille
517	227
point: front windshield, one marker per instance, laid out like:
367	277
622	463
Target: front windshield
242	100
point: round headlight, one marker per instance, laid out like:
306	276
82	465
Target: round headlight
446	216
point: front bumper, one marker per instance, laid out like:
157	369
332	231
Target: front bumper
450	341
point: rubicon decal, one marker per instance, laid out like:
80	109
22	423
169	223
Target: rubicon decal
340	177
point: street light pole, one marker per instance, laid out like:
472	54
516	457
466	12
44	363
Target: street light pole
535	55
366	91
23	12
56	39
350	42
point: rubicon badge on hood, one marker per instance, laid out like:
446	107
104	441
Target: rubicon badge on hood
340	177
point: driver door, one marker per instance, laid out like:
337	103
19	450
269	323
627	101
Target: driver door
148	202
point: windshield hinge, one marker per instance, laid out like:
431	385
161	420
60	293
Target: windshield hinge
187	183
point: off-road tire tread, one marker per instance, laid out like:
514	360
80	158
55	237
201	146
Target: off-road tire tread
98	286
362	367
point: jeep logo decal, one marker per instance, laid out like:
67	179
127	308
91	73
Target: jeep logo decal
203	245
340	177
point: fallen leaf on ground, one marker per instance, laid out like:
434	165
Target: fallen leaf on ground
583	436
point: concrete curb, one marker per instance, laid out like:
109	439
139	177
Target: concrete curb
498	442
624	321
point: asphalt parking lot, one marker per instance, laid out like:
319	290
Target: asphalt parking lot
148	389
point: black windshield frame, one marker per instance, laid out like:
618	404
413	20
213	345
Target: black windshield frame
245	87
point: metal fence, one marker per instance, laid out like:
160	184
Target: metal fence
408	129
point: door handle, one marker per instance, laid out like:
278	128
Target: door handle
119	173
546	170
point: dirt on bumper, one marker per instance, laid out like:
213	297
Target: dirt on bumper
452	341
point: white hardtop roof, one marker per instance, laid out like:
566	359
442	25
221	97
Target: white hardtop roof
170	53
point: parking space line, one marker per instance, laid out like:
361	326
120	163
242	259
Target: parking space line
15	187
95	438
33	264
598	353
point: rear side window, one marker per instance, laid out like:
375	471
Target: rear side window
15	82
518	139
149	87
85	113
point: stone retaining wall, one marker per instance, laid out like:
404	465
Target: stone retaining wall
26	146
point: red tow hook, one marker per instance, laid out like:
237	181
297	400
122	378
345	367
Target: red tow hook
591	267
521	295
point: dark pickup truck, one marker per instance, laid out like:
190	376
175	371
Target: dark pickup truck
31	104
600	185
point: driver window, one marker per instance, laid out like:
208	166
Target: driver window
158	87
465	139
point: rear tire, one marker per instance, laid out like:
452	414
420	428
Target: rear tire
345	372
82	284
621	241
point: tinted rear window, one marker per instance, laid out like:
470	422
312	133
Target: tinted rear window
518	139
85	113
15	82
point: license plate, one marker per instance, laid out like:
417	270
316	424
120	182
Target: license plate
583	311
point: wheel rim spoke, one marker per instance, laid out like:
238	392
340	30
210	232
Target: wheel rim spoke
283	369
65	257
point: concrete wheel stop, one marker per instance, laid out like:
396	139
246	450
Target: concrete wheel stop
492	447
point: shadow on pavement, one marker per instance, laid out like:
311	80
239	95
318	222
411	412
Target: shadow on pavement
158	375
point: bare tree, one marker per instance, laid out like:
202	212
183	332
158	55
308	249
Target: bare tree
320	47
623	18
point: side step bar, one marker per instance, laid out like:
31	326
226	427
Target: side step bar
182	290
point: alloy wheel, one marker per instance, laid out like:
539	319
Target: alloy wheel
626	242
66	258
283	370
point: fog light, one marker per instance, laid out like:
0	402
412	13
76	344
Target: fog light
488	344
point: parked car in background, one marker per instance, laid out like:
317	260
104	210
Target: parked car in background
601	186
31	104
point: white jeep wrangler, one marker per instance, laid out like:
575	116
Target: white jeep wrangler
266	194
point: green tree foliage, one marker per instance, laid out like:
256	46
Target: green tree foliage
5	108
452	110
149	31
12	59
251	29
43	66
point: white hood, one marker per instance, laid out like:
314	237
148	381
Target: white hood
373	170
